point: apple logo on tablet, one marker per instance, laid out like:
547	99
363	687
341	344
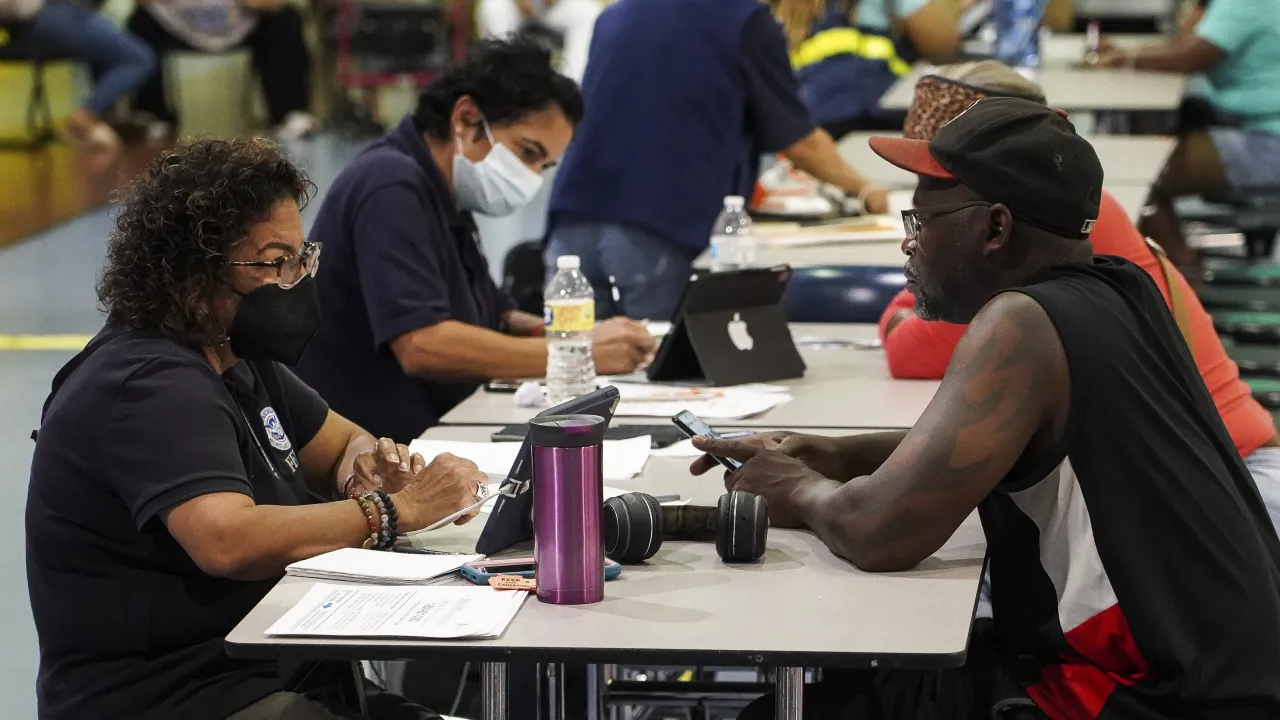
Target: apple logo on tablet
739	335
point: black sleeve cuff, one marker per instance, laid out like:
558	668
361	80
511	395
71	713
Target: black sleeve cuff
194	488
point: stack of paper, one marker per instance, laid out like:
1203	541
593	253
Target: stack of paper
378	567
732	403
623	459
372	611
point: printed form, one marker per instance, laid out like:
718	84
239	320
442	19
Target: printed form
377	611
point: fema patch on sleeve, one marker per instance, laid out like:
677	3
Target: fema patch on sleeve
275	431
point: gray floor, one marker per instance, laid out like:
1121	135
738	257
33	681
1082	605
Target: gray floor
46	287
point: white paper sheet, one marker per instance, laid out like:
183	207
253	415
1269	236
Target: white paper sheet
443	613
732	406
731	403
629	391
375	566
623	459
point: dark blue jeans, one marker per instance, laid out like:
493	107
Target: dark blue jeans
119	62
648	271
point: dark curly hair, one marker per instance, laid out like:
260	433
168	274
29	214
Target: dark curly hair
508	78
176	223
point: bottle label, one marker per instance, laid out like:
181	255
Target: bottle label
570	317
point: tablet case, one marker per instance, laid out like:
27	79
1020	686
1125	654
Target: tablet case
730	329
511	519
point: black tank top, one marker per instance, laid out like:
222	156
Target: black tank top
1135	573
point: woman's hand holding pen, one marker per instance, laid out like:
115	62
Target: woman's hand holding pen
620	346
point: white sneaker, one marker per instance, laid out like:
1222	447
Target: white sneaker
296	126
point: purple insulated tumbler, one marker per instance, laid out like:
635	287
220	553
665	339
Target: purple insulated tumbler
568	482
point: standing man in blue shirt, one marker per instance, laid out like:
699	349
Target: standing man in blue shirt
685	97
1236	45
413	321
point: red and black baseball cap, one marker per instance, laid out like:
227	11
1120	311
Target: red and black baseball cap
1016	152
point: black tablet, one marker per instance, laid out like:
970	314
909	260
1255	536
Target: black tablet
511	519
729	329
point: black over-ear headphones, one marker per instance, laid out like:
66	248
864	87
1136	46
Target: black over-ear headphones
635	526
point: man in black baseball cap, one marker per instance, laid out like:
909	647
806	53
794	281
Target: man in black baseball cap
1128	579
1008	166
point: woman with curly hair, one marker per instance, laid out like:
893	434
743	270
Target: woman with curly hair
180	466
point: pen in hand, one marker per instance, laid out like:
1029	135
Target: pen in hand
617	296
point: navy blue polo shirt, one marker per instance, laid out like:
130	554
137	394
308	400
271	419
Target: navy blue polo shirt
398	256
682	98
129	625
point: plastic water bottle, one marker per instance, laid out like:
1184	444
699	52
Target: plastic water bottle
732	243
1018	32
570	314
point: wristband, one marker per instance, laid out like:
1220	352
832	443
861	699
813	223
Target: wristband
387	518
346	486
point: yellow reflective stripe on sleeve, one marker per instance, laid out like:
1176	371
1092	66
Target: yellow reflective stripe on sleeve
848	41
44	342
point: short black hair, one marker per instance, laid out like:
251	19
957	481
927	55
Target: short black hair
176	223
507	78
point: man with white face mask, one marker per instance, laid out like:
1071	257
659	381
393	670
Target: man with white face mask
413	321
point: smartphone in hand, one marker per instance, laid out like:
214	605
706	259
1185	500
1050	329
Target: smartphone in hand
692	425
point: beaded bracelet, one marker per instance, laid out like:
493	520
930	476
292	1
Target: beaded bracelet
371	516
391	518
383	518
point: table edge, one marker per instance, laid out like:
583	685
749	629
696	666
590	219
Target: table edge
353	650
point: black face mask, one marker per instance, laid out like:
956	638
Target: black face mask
276	324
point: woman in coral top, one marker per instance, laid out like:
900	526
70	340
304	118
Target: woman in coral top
919	349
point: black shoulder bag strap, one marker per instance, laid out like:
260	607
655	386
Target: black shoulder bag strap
73	365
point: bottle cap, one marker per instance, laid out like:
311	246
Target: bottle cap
568	262
734	201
